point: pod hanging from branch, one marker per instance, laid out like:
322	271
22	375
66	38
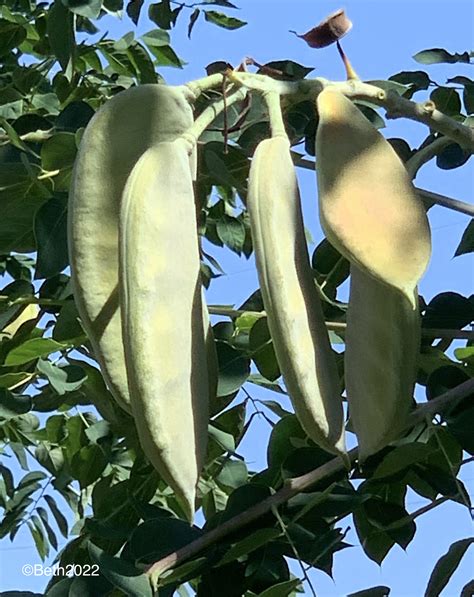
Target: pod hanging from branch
121	131
165	324
292	304
368	206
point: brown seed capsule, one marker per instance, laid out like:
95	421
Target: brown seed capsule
333	28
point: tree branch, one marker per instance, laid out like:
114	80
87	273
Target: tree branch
294	486
340	326
423	156
454	204
426	196
395	105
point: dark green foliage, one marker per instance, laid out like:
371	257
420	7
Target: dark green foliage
76	453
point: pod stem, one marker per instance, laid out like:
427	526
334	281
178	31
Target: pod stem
210	114
277	124
350	72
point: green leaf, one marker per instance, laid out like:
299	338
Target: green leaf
233	474
74	116
120	573
39	538
241	499
161	14
192	21
443	379
380	591
60	30
375	545
88	464
468	97
263	352
33	349
231	231
47	527
467	241
158	537
332	269
218	168
446	100
133	10
448	310
222	20
12	405
59	517
20	197
50	229
461	424
371	114
156	38
89	9
282	589
234	369
446	566
306	459
417	79
59	151
67	326
8	380
286	436
276	408
390	85
440	55
63	379
143	64
11	36
402	458
166	56
222	438
285	70
248	544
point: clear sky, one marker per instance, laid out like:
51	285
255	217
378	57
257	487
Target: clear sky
385	36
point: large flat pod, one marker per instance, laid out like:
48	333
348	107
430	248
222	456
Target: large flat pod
294	312
382	345
162	314
121	131
368	206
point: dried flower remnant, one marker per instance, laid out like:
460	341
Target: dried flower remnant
333	28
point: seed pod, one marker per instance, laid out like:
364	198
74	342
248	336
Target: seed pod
162	316
382	345
295	316
368	206
113	141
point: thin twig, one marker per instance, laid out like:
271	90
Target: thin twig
294	486
425	195
423	156
340	326
454	204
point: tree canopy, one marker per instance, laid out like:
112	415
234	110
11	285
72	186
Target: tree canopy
65	441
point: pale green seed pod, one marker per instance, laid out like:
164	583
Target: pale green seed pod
166	341
382	346
121	131
368	206
292	304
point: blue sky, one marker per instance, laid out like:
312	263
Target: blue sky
384	38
